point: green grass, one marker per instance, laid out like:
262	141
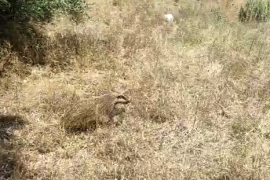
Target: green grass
255	10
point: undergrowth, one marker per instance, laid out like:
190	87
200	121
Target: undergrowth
199	91
255	10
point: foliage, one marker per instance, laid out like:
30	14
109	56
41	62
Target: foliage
257	10
39	10
19	20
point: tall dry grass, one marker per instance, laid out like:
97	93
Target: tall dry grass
199	91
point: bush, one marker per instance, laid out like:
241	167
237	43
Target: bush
255	10
18	20
39	10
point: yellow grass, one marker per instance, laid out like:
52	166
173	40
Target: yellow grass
199	90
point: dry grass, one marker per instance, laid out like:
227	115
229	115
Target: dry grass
199	92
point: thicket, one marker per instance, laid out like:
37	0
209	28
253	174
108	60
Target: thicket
255	10
18	19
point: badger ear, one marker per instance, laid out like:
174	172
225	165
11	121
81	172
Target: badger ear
121	99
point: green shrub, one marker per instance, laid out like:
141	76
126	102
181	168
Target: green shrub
39	10
18	24
255	10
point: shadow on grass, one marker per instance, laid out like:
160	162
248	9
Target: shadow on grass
20	26
24	39
8	145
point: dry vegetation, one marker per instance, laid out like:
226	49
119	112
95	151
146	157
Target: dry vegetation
199	90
